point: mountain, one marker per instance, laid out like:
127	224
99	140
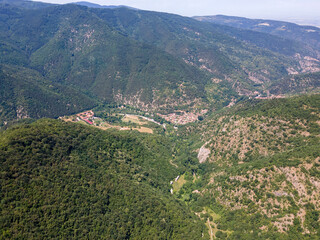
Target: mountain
93	5
24	93
63	180
249	60
260	179
110	70
296	84
153	61
305	34
26	4
70	46
196	132
262	169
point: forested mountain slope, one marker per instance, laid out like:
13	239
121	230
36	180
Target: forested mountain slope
25	93
25	4
63	180
249	60
263	165
259	181
70	46
154	61
296	84
257	172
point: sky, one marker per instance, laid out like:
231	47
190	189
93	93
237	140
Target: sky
267	9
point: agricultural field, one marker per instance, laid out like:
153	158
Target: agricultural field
128	122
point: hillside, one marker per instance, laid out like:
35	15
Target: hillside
249	60
260	179
24	93
297	84
70	46
262	169
157	62
169	127
63	180
25	4
93	5
164	89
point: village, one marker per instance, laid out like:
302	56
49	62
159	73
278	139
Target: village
182	118
135	122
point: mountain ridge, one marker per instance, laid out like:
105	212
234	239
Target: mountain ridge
93	5
280	28
154	61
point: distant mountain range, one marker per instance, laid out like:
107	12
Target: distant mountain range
93	5
304	21
154	61
305	34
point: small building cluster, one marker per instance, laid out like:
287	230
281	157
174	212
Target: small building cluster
183	117
86	116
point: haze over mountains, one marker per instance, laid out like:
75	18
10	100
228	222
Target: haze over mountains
286	30
244	166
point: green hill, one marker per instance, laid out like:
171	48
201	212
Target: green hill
262	169
260	180
153	61
257	172
24	93
296	84
63	180
28	4
249	60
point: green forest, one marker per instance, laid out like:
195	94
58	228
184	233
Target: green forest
61	180
68	180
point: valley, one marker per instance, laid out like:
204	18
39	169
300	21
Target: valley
119	123
260	158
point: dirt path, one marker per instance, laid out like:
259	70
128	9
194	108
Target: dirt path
173	164
210	230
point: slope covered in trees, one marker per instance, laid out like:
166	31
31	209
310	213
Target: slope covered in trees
249	60
153	61
258	175
297	84
259	181
71	46
63	180
24	93
262	173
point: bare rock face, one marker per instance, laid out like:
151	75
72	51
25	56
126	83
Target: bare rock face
21	112
203	153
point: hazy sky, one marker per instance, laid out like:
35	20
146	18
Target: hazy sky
272	9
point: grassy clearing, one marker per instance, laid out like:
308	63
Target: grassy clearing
212	217
140	129
134	119
101	124
177	185
144	130
137	120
